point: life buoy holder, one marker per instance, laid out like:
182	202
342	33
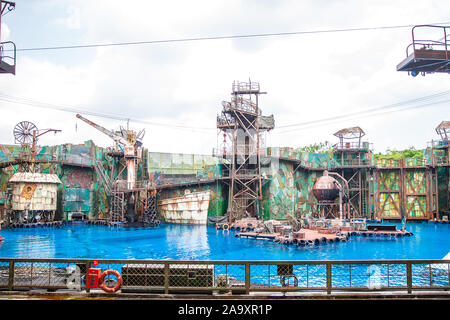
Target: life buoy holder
116	286
225	227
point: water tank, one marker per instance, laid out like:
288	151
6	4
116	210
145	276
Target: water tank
326	188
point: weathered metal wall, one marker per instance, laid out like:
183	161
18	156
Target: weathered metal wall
289	188
77	200
75	171
191	208
178	163
289	191
408	186
43	197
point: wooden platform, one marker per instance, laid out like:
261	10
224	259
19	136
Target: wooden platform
255	235
426	61
381	233
312	237
36	225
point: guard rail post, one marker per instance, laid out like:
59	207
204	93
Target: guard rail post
11	276
409	277
166	278
247	278
86	277
328	278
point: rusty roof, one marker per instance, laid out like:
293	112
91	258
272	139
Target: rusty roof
349	133
35	177
444	125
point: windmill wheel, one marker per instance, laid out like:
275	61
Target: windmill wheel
23	132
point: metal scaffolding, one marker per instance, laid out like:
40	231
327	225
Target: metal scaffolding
352	155
243	126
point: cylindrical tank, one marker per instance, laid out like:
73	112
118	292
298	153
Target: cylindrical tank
326	188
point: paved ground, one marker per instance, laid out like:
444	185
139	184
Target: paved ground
66	295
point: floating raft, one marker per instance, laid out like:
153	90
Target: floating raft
36	225
255	235
371	233
101	222
311	237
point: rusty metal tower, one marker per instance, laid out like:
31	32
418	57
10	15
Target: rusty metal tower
352	156
243	126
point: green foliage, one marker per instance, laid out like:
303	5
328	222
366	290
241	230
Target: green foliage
321	147
400	154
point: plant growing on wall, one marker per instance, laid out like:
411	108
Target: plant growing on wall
321	147
401	154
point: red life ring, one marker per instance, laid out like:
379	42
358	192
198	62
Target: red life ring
118	283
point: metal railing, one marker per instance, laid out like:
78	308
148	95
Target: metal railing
352	163
235	276
438	143
245	87
430	44
63	158
353	145
8	52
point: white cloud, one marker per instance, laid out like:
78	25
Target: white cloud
5	32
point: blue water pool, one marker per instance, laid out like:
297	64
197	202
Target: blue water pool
430	241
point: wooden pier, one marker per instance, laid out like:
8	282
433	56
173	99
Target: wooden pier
309	237
316	237
371	233
36	225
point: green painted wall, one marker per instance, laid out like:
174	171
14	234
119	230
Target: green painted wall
285	192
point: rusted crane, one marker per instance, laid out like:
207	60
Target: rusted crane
129	142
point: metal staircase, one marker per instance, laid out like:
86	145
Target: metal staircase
118	206
150	216
106	182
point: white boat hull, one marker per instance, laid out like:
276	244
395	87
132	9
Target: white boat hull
192	208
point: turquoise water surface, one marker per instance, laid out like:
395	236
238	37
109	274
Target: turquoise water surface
181	242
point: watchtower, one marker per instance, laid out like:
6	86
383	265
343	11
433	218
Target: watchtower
243	125
351	155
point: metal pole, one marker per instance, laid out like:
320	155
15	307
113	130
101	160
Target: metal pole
329	285
445	37
1	13
247	278
88	266
11	274
166	278
409	277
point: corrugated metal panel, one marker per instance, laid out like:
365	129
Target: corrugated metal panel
35	178
192	208
27	196
77	200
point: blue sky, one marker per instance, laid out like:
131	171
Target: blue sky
307	77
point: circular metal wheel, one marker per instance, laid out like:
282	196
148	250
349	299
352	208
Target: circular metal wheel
23	132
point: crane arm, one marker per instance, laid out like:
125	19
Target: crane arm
110	134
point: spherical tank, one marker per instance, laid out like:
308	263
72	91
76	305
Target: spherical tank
326	188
